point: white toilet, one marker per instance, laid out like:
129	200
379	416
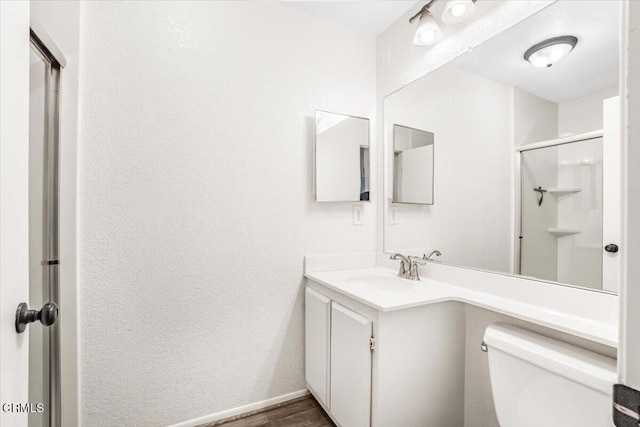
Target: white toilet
541	382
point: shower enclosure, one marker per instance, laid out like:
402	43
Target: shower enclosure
561	211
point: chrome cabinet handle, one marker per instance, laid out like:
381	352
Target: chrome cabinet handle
47	315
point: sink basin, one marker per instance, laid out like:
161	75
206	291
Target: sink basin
380	283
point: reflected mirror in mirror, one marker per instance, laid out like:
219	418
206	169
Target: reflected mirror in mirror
412	166
342	158
528	143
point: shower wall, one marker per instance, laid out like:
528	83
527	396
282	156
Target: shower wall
580	256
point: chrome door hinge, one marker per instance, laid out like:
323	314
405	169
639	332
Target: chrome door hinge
626	405
372	343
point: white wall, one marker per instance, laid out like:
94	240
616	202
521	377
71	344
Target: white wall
61	20
195	199
583	114
580	255
473	159
534	119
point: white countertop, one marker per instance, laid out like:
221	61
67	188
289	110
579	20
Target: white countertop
371	286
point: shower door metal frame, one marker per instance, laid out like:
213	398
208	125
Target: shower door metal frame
55	61
517	242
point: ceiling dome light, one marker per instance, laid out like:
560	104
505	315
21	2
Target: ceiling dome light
548	52
456	11
428	31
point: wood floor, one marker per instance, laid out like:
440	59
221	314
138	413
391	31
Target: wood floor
302	412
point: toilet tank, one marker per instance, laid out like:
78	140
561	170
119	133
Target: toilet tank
538	381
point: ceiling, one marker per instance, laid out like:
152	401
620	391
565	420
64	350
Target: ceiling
591	67
369	17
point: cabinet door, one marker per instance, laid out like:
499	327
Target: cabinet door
350	367
317	327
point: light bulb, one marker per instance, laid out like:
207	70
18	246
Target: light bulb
456	11
428	31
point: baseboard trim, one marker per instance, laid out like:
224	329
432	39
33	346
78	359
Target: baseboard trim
218	416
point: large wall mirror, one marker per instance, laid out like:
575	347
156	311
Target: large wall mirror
342	158
527	132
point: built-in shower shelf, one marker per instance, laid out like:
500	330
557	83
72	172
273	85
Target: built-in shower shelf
564	191
559	232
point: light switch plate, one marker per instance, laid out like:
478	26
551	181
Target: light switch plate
358	215
393	215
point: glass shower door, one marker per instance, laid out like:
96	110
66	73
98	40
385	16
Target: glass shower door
562	213
44	363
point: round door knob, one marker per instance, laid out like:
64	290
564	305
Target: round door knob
611	248
47	315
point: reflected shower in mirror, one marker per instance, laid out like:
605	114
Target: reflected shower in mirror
412	166
527	174
342	157
561	202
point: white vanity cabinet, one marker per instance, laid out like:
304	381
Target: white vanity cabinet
338	359
317	319
350	367
384	369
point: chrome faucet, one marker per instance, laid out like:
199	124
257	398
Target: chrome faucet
405	265
409	266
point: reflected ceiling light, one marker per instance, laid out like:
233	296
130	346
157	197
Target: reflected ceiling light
428	31
548	52
456	11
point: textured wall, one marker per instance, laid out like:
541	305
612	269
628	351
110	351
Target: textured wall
195	200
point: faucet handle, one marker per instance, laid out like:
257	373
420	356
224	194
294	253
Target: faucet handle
431	254
414	273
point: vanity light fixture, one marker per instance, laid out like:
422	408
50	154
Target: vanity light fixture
548	52
428	31
457	11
